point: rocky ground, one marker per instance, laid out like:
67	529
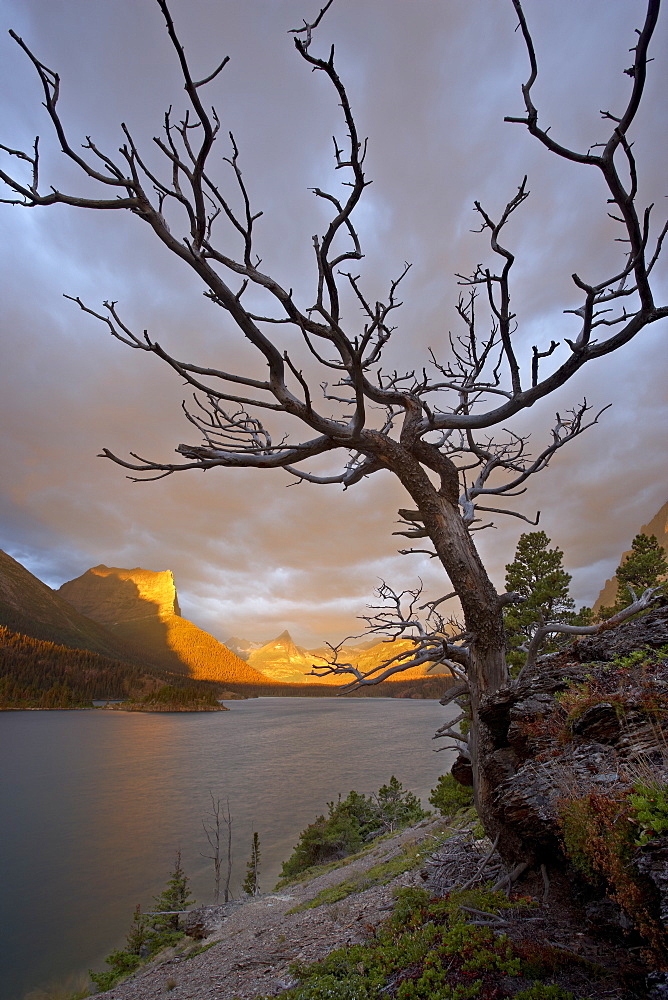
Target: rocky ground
252	944
258	939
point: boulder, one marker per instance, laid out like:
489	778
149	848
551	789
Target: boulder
204	921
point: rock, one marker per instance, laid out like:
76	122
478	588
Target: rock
204	921
500	765
462	771
599	722
528	801
652	861
650	630
537	704
608	916
536	709
657	986
552	672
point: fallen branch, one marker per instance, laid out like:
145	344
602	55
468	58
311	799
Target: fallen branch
510	878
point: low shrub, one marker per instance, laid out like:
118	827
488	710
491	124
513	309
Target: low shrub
600	833
427	950
539	991
449	796
650	811
350	823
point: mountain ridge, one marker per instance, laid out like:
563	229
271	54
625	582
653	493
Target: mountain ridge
283	661
51	618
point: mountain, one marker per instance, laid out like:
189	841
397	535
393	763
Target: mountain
140	607
242	647
282	660
30	607
657	526
109	594
116	632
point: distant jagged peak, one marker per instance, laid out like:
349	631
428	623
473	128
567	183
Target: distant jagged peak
110	593
284	642
284	639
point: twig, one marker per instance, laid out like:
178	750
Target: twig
483	865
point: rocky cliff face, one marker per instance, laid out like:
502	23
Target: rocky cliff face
110	595
536	753
570	749
142	608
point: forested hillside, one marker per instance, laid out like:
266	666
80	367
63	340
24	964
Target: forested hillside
39	674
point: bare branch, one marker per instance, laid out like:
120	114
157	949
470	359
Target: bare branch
642	603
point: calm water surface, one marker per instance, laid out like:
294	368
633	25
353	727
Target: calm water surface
95	804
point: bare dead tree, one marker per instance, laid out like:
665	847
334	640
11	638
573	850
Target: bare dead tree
213	834
440	428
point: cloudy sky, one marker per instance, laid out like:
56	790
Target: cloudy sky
430	83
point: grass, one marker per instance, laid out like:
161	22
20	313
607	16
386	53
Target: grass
199	950
410	856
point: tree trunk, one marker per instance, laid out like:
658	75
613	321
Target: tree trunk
487	670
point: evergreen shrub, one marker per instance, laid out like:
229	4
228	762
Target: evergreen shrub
350	823
449	796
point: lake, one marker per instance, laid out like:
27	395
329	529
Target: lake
95	805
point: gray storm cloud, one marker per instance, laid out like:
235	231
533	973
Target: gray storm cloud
430	86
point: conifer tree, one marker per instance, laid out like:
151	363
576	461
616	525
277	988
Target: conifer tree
538	576
175	897
251	884
645	566
139	934
397	806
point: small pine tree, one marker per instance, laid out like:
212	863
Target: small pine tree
176	896
147	935
139	934
251	883
397	806
644	567
538	576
